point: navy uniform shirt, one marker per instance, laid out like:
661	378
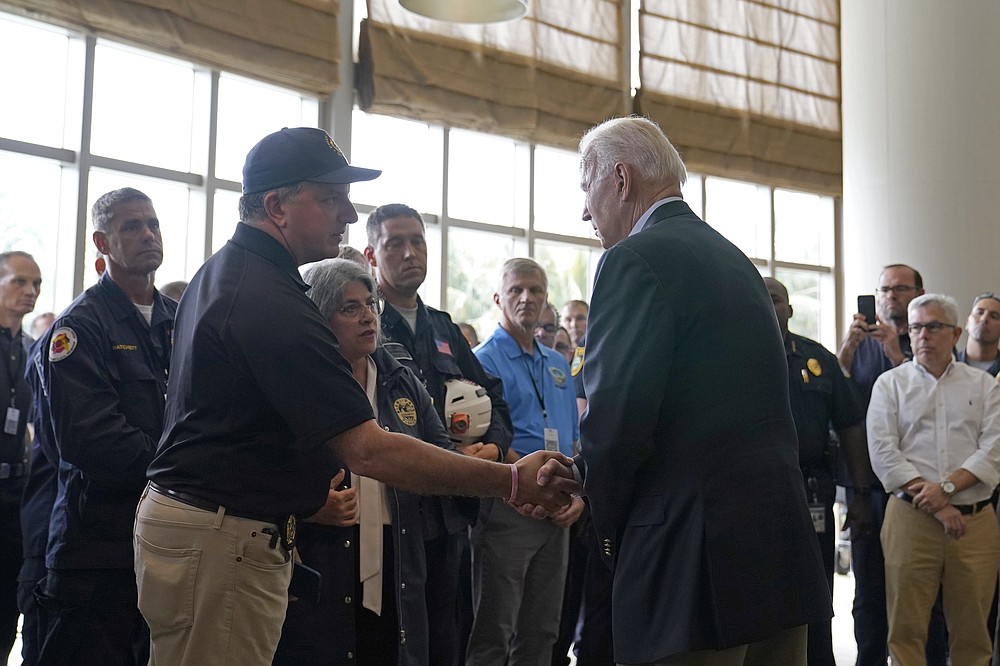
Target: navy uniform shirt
103	376
257	387
820	397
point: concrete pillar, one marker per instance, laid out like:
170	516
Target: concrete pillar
921	126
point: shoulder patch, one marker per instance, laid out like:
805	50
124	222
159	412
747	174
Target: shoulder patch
577	365
62	344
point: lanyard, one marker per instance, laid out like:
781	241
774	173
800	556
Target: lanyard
531	374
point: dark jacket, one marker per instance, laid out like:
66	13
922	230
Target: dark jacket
692	471
105	377
438	352
325	633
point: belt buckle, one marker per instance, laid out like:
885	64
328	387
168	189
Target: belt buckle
289	532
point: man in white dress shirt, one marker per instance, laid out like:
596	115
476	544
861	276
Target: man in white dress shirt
934	440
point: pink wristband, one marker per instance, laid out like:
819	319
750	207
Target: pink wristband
513	482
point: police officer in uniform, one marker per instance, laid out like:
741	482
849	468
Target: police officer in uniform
429	343
820	399
104	381
20	281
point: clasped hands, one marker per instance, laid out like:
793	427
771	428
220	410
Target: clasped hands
930	498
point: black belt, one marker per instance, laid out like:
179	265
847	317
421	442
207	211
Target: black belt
208	505
964	509
12	470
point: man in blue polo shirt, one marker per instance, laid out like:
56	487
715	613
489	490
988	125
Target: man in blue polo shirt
512	553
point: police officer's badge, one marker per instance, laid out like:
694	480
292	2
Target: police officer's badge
289	533
814	367
406	411
63	343
577	365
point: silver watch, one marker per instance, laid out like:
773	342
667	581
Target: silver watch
948	487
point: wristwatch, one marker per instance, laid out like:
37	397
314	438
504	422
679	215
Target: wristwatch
948	487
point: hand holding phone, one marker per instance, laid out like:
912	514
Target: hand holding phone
866	307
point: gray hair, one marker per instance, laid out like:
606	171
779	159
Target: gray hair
946	303
100	212
251	206
329	279
521	266
633	140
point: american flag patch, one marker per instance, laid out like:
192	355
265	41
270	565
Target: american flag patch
443	347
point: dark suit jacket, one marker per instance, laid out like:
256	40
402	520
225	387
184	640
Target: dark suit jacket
692	468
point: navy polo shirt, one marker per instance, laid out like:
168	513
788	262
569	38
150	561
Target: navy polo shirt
528	381
257	386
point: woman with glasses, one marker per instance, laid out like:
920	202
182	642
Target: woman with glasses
369	547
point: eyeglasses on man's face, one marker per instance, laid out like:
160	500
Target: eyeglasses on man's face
931	327
898	289
354	309
548	328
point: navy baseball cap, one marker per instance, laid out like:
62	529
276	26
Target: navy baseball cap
298	154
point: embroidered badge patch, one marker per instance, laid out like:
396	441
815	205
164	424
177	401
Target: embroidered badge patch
406	411
63	343
577	365
814	367
559	376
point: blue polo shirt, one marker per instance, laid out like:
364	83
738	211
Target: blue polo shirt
529	380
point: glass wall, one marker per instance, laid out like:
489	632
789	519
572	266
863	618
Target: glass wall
147	121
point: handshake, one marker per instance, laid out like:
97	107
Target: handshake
543	482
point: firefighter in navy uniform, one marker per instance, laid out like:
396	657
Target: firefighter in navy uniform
431	345
103	377
821	399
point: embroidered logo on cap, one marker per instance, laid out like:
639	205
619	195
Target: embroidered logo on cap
330	142
63	343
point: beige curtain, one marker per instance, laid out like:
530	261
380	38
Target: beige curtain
747	88
292	43
547	77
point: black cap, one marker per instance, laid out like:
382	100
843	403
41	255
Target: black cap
298	154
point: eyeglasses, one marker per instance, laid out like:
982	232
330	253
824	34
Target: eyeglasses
353	310
932	327
897	289
548	328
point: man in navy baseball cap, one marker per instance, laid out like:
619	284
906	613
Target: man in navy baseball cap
294	155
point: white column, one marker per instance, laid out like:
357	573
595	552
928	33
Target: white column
921	126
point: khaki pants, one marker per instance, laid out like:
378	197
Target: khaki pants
211	587
788	648
920	559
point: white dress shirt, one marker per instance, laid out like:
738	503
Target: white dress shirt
919	426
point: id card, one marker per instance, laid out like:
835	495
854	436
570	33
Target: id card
551	439
818	514
10	423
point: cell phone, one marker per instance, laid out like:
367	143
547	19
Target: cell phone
866	306
306	583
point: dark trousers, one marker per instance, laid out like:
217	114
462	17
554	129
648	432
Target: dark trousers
871	624
572	593
92	619
820	647
10	560
378	635
441	592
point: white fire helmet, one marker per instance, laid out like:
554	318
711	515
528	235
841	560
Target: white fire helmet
467	411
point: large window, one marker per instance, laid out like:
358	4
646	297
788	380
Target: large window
149	120
180	132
